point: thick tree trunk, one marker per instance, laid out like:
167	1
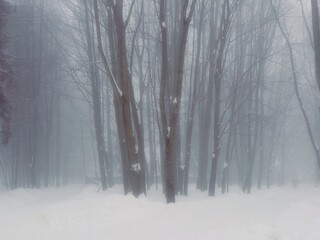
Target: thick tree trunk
117	105
136	167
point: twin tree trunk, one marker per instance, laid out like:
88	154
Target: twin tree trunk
135	170
170	121
128	111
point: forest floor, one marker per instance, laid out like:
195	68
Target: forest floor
82	213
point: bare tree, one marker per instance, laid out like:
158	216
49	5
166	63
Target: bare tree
169	121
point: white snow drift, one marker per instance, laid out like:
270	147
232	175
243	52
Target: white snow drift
82	213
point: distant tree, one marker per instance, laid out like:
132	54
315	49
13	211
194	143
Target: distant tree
285	34
316	37
6	76
228	9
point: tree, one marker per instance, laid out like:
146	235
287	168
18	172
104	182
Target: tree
219	60
169	121
316	38
295	81
6	75
126	94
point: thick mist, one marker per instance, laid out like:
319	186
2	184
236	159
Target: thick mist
159	93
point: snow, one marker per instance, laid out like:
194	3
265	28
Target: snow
175	101
225	165
113	80
82	213
277	164
163	24
117	87
136	167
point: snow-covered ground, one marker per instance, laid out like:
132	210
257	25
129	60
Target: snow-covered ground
82	213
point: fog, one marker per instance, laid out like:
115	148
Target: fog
159	94
163	119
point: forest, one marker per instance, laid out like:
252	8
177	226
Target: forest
159	119
159	94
